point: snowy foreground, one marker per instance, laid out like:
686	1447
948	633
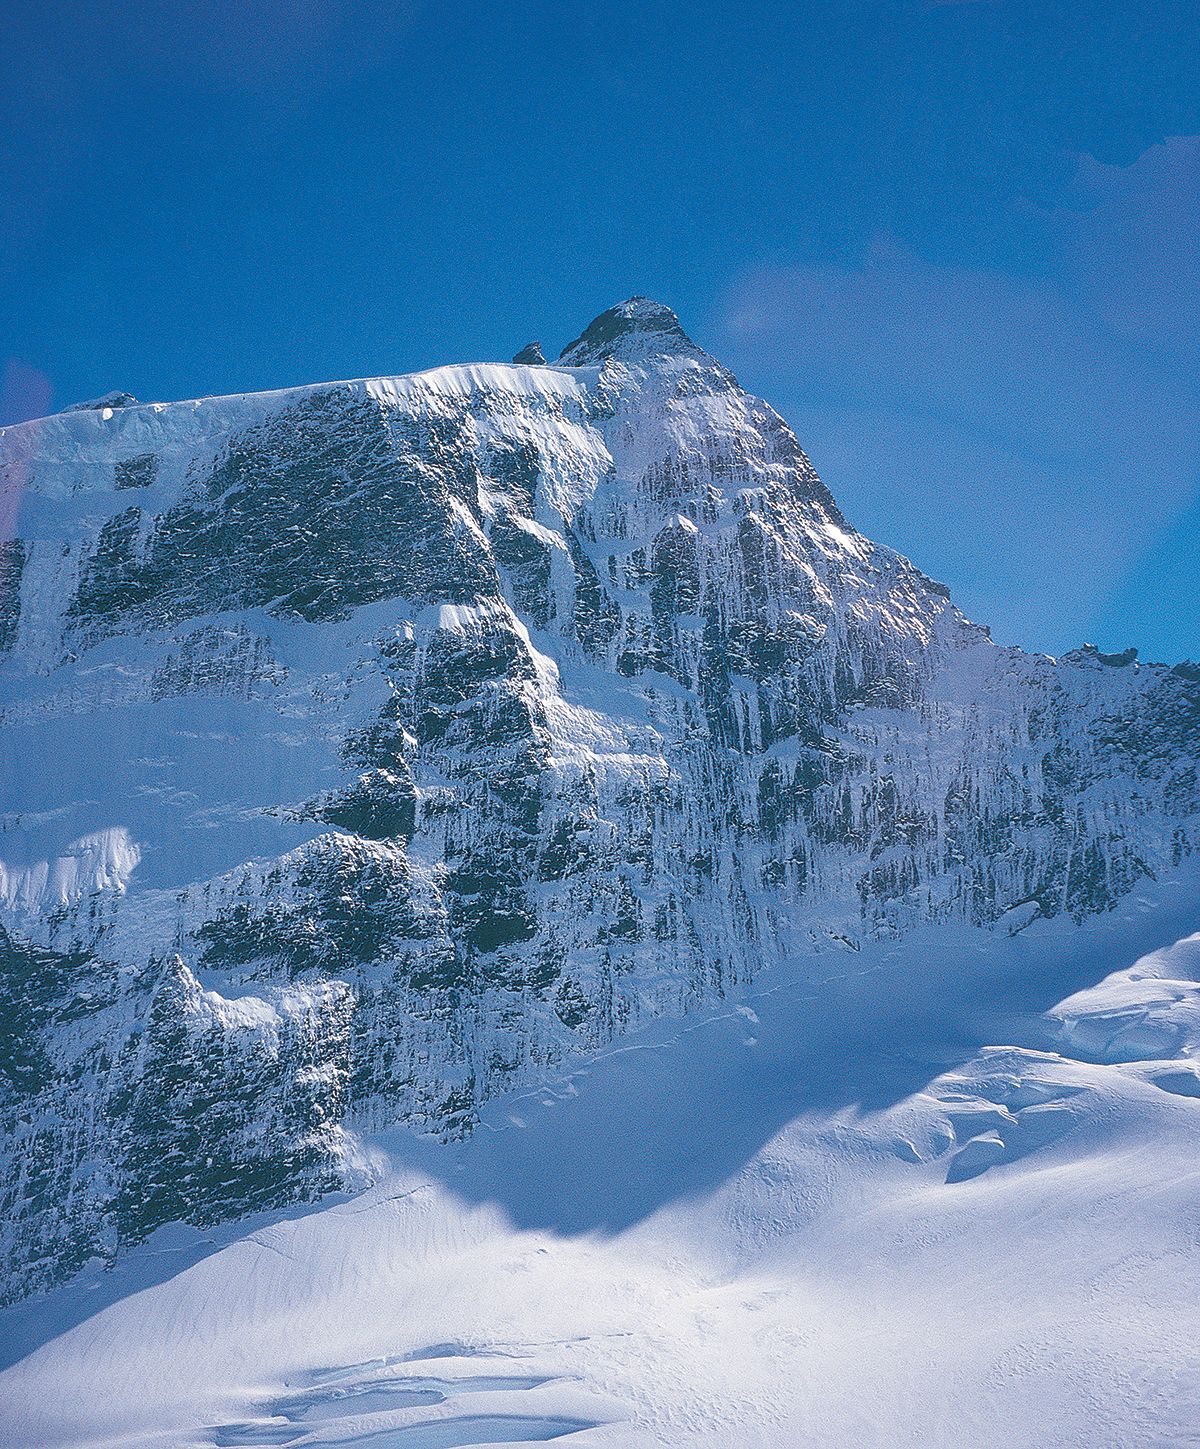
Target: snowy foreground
947	1197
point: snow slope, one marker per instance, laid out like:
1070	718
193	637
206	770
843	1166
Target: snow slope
896	1207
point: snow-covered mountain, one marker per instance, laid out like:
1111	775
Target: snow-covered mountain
375	749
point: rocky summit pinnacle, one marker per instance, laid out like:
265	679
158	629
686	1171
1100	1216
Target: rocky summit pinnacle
531	355
413	735
628	331
110	400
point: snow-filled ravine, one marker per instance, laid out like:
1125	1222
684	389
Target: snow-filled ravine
946	1197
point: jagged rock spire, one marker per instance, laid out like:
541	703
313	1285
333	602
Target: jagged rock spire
629	331
531	355
98	404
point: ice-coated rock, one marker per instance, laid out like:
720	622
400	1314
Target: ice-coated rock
110	400
372	746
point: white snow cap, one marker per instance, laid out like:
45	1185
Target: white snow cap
630	331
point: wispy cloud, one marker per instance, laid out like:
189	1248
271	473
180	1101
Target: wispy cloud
1130	243
24	392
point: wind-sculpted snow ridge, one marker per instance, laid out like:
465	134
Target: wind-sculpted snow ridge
372	748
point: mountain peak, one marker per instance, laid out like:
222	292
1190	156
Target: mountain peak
111	400
530	355
633	329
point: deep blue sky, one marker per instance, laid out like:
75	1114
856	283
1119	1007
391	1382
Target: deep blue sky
955	244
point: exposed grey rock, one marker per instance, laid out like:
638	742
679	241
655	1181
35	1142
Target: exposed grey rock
111	400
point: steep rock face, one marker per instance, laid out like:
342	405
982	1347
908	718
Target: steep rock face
371	746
